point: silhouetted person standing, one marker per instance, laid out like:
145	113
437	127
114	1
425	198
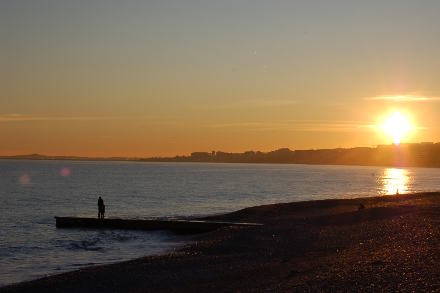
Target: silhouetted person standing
101	208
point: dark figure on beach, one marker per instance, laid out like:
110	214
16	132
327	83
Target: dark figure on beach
101	208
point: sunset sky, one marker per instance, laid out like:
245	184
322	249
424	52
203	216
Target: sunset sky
159	78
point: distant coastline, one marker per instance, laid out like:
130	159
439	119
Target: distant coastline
403	155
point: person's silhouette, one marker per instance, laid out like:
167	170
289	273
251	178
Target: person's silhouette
101	208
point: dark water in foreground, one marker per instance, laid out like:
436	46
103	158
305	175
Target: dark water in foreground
33	192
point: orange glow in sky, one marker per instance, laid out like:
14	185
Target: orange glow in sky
164	78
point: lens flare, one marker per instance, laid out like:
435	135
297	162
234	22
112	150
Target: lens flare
24	179
65	172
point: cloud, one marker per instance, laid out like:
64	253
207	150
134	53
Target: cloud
254	103
270	102
298	125
404	98
20	117
151	120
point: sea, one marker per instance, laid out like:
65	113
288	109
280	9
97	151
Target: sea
33	192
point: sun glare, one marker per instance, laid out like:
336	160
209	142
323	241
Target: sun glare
396	126
395	181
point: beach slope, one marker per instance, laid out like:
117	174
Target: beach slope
381	243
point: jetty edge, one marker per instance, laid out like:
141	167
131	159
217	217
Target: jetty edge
176	226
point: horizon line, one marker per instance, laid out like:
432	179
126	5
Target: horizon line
189	154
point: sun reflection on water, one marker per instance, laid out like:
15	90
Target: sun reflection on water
395	181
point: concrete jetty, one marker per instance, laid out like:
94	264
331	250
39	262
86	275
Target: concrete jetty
176	226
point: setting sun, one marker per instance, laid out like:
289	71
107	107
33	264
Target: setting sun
396	126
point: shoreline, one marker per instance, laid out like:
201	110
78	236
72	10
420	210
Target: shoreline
405	155
310	245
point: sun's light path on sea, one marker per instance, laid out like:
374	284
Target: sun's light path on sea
395	181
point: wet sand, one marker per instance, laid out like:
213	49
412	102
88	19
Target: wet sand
332	245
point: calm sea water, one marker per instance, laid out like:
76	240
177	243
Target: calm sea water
33	192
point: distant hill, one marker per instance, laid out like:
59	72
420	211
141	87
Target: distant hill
71	158
403	155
